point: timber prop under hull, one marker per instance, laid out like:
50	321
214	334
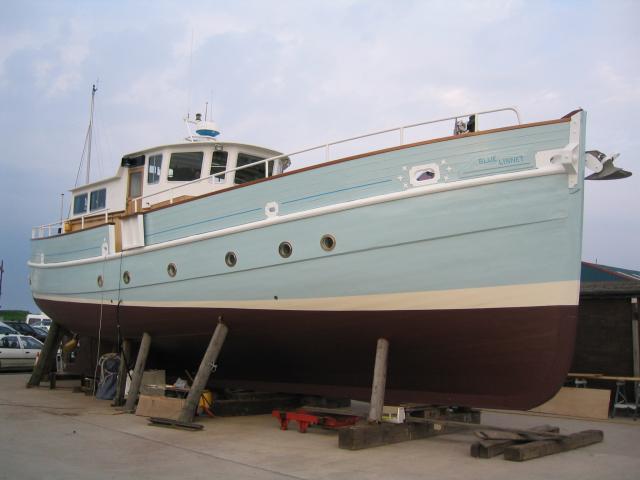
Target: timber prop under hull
513	358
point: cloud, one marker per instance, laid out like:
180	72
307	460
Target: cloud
12	44
619	88
289	74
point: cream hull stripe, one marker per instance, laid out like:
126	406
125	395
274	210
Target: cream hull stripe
529	295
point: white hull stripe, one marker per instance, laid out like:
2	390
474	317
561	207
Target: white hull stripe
509	296
390	197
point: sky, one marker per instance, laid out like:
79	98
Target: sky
292	74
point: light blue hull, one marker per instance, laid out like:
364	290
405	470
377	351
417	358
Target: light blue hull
513	232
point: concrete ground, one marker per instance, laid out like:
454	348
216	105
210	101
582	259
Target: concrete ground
49	434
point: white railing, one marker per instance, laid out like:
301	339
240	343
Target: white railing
174	192
56	228
326	146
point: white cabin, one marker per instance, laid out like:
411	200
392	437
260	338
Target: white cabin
171	173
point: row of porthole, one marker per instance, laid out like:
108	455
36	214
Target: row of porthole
285	249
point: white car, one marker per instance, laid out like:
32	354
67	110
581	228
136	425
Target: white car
18	352
44	324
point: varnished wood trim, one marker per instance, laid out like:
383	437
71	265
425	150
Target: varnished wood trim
76	231
369	154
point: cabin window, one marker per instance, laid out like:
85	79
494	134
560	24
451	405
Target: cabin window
252	173
219	165
98	199
80	204
153	172
185	166
135	184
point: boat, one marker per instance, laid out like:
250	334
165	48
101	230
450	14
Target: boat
462	251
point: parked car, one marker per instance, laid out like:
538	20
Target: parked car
37	319
44	324
6	330
18	352
24	329
40	330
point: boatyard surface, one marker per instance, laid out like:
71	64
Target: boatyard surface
60	434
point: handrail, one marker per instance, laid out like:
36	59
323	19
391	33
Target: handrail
49	229
325	146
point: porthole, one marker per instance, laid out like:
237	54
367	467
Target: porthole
126	277
285	249
231	259
421	175
100	281
172	269
328	242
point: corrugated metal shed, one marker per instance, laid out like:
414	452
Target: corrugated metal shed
607	332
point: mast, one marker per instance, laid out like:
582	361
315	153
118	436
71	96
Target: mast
90	132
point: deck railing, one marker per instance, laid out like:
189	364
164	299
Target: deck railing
175	192
56	228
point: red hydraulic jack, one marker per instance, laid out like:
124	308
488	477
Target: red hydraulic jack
305	419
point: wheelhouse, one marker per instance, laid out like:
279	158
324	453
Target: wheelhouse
169	174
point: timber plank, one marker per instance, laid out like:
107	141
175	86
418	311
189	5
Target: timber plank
367	436
489	448
578	402
531	450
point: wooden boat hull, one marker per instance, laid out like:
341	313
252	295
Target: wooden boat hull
514	358
472	274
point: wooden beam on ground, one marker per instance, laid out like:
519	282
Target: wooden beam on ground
379	381
489	448
531	450
136	380
528	434
167	422
47	360
125	355
363	436
207	365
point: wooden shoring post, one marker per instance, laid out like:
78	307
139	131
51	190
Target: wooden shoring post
207	365
379	381
46	362
123	371
635	339
136	380
635	318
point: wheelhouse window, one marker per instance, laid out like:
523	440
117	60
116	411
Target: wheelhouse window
80	204
250	174
153	171
98	199
185	166
135	184
219	165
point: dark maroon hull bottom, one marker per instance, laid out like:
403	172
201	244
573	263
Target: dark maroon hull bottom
514	358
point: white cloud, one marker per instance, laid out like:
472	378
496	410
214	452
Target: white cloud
11	44
619	88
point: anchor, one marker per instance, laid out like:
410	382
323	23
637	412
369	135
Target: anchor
603	166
